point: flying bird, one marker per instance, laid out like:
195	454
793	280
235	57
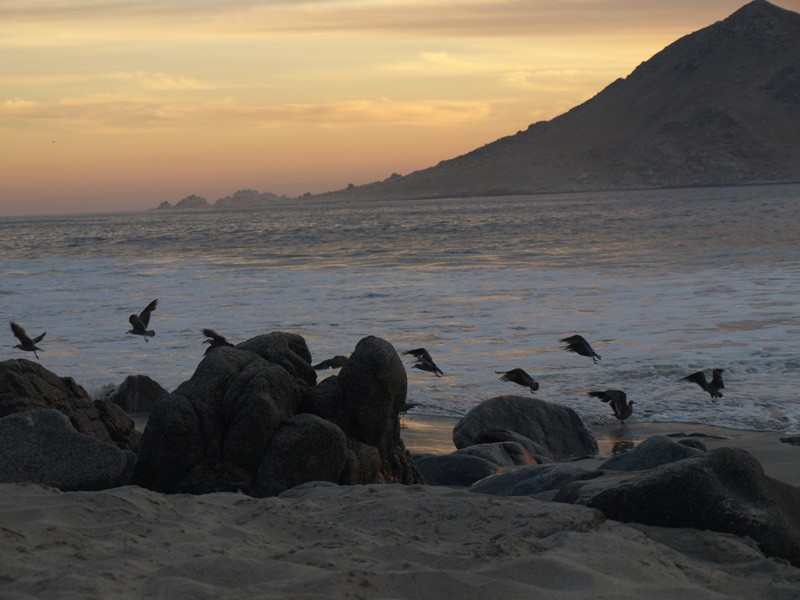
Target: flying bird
424	361
26	343
520	377
618	402
214	340
579	345
332	363
141	321
713	388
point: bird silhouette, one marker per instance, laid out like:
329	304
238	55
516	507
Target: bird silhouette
578	345
618	402
424	361
332	363
214	340
26	343
519	376
713	388
141	321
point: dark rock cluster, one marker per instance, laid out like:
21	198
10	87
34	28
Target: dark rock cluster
251	418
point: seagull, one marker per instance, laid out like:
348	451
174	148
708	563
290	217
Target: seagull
519	376
712	388
139	322
26	343
214	340
579	345
332	363
618	402
424	361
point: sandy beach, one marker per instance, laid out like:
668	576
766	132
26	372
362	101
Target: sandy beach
376	541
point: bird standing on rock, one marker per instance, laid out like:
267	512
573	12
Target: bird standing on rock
578	345
713	388
424	361
214	340
519	376
26	343
141	321
618	401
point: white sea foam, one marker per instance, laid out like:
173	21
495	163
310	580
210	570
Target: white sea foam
653	320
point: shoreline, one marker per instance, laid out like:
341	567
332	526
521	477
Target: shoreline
424	434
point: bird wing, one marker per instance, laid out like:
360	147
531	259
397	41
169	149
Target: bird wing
420	354
699	378
518	376
136	323
716	379
144	316
20	334
39	338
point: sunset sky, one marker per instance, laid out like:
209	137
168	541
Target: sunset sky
108	106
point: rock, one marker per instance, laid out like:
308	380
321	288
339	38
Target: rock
365	400
793	440
42	446
454	469
723	490
538	481
653	452
305	448
137	393
546	430
288	350
696	444
503	454
26	385
252	419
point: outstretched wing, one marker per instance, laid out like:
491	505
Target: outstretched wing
19	332
516	376
699	378
420	354
331	363
39	338
144	316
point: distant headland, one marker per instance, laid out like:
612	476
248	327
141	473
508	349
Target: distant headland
718	107
243	199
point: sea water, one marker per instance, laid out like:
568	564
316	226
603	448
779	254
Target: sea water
662	284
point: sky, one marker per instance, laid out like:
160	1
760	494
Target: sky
121	105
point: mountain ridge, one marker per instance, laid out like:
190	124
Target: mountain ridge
720	106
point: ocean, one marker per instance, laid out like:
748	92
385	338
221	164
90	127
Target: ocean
662	283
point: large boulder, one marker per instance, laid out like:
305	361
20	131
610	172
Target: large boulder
454	469
42	446
653	452
723	490
503	454
252	419
137	394
537	481
26	385
365	400
550	432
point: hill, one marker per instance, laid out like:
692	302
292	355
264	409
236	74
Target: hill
720	106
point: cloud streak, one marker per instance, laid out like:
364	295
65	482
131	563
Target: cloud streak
182	18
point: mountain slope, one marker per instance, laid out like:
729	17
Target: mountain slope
720	106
